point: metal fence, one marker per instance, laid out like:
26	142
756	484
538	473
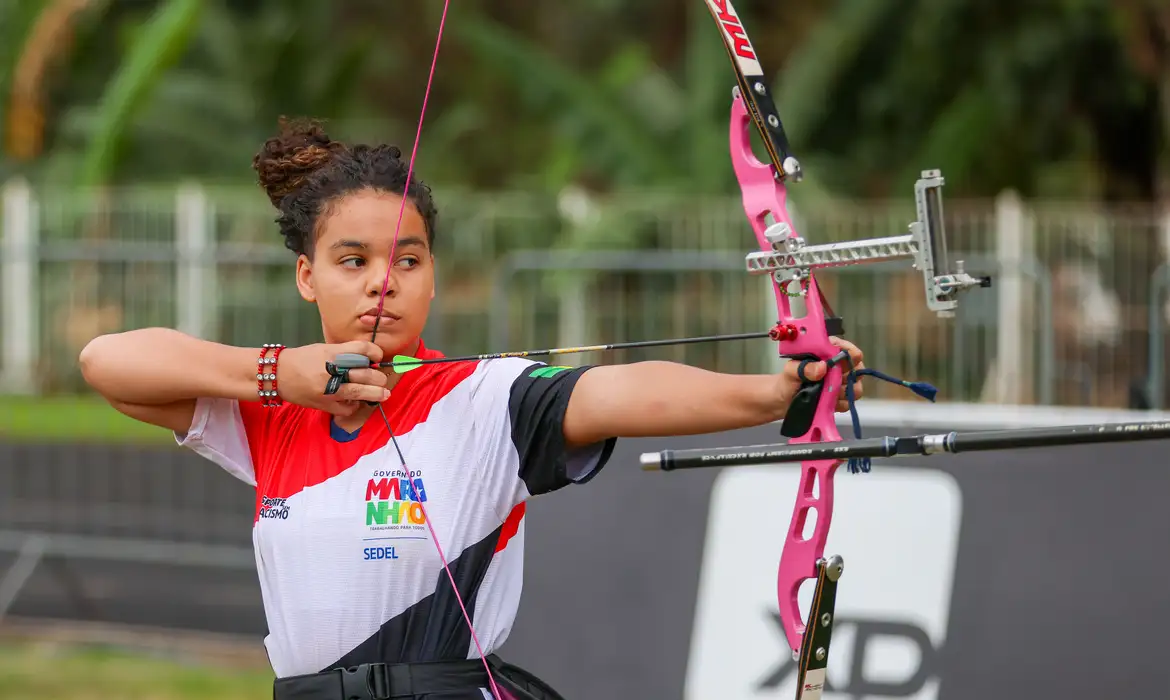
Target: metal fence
1076	316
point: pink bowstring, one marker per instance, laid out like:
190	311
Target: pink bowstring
410	166
377	319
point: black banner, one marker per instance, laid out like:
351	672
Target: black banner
1057	587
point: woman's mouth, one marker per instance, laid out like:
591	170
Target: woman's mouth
370	317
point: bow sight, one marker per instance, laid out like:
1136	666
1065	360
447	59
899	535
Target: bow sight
791	260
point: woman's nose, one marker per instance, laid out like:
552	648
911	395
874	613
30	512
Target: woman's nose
379	281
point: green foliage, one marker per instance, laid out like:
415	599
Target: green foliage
588	109
603	95
995	92
161	41
16	19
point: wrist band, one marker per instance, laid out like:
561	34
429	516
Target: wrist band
266	372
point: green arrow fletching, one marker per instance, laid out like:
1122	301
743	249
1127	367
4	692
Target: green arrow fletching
402	363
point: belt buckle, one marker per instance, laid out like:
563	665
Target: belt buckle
365	682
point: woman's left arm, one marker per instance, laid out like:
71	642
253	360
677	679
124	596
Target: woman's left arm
648	399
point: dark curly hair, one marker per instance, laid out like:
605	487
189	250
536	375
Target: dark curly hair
304	172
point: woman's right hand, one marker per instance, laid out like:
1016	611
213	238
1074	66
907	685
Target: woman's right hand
301	377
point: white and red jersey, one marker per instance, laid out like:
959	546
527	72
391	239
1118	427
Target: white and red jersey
347	569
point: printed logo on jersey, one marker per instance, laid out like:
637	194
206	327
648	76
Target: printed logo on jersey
379	553
546	372
394	499
273	508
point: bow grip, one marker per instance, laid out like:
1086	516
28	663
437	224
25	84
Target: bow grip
802	411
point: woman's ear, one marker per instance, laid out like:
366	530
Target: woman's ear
305	279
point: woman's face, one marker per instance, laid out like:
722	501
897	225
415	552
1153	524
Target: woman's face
350	260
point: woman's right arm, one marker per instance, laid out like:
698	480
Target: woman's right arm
155	375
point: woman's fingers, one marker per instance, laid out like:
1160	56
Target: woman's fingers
843	398
371	377
362	392
361	385
344	409
855	354
857	359
361	347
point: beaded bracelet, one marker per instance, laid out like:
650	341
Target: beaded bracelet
266	372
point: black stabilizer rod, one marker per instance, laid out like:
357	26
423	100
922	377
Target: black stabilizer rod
953	442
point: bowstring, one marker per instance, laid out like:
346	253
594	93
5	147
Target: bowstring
377	320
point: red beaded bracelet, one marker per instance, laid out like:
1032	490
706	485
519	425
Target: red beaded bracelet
266	372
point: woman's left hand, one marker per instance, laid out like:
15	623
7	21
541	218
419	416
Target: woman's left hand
790	381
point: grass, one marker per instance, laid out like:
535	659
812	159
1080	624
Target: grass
61	673
72	419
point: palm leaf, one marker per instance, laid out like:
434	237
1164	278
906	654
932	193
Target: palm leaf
547	82
815	69
708	90
163	39
957	140
342	77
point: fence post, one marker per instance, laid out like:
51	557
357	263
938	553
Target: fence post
1159	283
573	321
1011	371
18	273
195	262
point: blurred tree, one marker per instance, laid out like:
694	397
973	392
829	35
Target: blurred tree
198	88
1144	26
34	35
601	94
1037	96
1068	99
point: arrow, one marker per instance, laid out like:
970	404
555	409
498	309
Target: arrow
405	363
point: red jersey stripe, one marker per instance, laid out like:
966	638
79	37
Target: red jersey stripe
510	527
291	445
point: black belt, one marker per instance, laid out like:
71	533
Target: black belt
383	681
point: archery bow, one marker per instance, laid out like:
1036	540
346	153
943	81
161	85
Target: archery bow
804	336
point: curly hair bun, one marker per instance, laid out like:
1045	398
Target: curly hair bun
288	159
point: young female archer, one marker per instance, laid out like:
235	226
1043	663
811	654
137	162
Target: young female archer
390	514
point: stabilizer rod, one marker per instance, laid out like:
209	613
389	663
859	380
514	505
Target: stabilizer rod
952	442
